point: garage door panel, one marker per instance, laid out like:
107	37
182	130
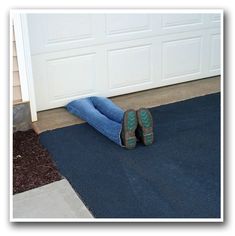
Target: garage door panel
129	66
123	27
181	20
63	76
176	23
118	24
181	58
55	32
65	31
77	70
215	17
215	53
215	20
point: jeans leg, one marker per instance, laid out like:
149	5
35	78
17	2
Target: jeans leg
84	108
108	108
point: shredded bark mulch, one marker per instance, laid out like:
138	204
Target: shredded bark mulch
32	164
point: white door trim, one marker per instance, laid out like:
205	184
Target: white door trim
24	61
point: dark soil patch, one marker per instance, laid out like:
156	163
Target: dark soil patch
32	164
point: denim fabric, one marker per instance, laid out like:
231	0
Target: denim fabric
101	113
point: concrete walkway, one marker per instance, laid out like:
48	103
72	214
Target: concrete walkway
55	200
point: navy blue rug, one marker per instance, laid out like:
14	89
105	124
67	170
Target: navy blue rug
176	177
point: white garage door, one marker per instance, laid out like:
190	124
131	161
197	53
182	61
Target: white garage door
78	55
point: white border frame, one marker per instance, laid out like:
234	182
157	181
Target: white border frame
28	69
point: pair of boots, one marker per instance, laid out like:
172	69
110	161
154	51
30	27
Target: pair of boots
137	125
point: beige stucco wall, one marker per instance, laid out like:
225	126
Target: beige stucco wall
16	77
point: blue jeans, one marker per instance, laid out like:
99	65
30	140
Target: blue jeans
102	114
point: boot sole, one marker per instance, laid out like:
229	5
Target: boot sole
130	125
146	125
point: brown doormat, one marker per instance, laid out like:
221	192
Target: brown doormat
32	164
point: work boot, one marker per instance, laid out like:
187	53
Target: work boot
144	130
129	126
